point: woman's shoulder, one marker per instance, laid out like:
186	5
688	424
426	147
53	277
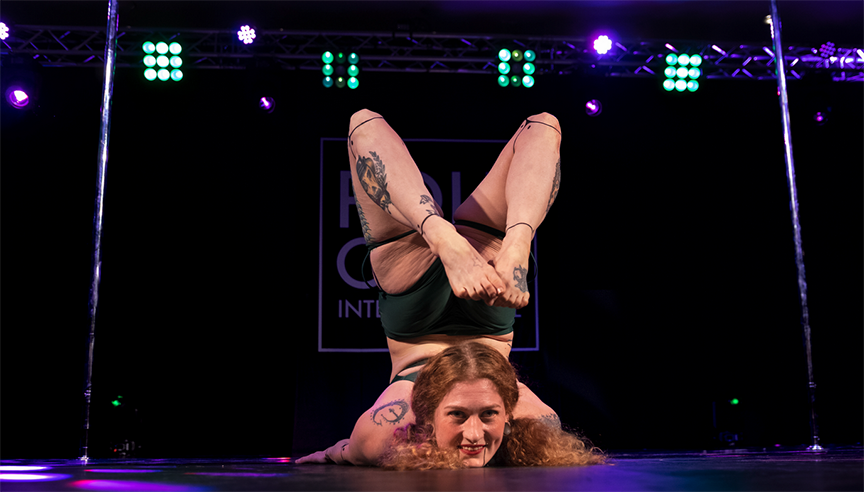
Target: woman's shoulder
393	407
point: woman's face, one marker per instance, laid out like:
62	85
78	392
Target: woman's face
471	418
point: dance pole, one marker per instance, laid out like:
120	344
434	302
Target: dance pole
796	226
104	132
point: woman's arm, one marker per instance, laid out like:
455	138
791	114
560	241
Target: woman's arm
373	430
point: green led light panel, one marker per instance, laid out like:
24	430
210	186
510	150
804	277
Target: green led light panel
158	57
681	72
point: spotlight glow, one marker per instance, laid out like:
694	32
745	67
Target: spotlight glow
149	48
503	81
268	104
593	107
528	68
150	74
4	31
149	61
161	48
353	83
246	34
176	75
327	58
17	97
603	44
163	74
162	61
32	477
328	81
529	56
175	48
504	68
528	81
504	55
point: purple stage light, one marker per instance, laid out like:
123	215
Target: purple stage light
16	97
268	104
18	468
246	34
603	44
4	31
593	107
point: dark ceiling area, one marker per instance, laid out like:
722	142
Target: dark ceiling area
804	21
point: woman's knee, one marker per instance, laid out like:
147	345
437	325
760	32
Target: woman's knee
547	119
360	117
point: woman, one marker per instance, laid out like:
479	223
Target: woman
444	284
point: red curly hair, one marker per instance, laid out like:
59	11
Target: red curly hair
531	442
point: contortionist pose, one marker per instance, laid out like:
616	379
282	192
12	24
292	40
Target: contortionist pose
447	299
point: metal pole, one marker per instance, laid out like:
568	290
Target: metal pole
793	192
104	132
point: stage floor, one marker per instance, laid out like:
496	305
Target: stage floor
838	469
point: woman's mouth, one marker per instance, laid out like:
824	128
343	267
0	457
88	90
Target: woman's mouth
472	449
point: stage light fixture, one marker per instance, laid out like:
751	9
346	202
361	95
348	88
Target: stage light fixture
17	97
4	31
602	45
158	57
509	64
678	75
827	50
341	76
268	104
246	34
593	107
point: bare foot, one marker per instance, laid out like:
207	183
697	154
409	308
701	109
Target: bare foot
471	277
511	265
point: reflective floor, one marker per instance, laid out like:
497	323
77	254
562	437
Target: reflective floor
837	469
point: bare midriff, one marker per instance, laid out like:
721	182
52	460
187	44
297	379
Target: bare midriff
403	354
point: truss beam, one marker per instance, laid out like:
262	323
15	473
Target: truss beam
71	46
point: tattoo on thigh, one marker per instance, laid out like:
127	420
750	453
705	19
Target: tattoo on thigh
392	412
552	420
373	178
520	275
367	231
556	185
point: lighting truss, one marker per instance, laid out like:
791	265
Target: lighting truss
65	46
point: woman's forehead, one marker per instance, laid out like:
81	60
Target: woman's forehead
468	394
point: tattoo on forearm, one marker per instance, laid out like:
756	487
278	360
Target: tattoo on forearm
556	185
373	178
520	275
392	412
367	231
552	420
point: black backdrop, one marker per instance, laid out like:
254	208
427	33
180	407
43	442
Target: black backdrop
669	278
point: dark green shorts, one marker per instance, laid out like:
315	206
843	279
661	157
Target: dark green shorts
430	307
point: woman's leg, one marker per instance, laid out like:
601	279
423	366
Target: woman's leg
515	197
392	199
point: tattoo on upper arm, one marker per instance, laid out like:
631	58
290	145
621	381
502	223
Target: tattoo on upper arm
556	185
392	413
552	420
373	178
520	275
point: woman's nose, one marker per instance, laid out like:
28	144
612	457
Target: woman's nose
473	430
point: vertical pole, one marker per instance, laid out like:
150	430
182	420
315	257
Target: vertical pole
104	132
796	226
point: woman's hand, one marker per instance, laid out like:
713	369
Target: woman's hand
333	454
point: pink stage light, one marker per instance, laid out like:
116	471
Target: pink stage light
267	104
593	107
246	34
17	98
